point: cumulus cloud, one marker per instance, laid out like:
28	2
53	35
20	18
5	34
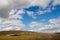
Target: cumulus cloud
55	21
36	24
52	27
8	18
7	5
13	22
56	2
10	27
14	14
41	3
31	14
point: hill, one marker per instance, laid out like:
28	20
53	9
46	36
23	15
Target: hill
27	35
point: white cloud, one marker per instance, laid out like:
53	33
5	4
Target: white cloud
31	14
24	3
11	27
7	18
56	2
14	14
3	3
12	23
41	3
41	26
20	12
7	5
41	12
52	27
55	21
36	24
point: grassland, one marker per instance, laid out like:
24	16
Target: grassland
26	35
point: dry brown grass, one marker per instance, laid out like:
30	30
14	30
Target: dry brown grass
25	35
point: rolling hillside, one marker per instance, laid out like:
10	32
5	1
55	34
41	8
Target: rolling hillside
27	35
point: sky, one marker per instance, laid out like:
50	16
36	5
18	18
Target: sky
30	15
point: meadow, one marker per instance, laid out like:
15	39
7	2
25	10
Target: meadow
27	35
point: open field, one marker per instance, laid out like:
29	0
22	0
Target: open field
26	35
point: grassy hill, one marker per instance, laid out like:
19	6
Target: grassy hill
27	35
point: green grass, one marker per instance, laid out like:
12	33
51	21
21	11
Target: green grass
25	35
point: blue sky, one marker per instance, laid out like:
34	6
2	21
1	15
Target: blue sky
43	16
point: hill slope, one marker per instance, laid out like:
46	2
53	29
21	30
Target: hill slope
26	35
